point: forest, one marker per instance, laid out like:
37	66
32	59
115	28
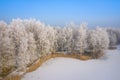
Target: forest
23	41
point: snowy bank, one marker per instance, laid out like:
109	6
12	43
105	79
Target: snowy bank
106	68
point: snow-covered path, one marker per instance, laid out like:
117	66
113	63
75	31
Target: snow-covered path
107	68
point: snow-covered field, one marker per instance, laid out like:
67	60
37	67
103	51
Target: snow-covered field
106	68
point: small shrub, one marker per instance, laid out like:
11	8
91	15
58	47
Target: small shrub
112	47
83	57
6	70
97	55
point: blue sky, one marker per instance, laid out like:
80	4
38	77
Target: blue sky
60	12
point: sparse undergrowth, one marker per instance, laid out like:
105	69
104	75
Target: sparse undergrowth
39	62
36	64
14	77
112	47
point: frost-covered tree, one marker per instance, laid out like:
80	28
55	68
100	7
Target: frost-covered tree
3	26
19	37
79	38
44	36
68	38
64	39
32	48
118	35
51	36
7	52
35	27
112	37
72	38
104	38
69	31
82	37
61	39
98	41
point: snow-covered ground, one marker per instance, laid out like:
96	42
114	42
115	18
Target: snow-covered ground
106	68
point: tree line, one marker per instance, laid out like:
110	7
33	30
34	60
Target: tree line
24	41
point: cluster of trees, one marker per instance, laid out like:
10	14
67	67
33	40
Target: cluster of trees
114	36
24	41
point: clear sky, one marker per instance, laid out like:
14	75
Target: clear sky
60	12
